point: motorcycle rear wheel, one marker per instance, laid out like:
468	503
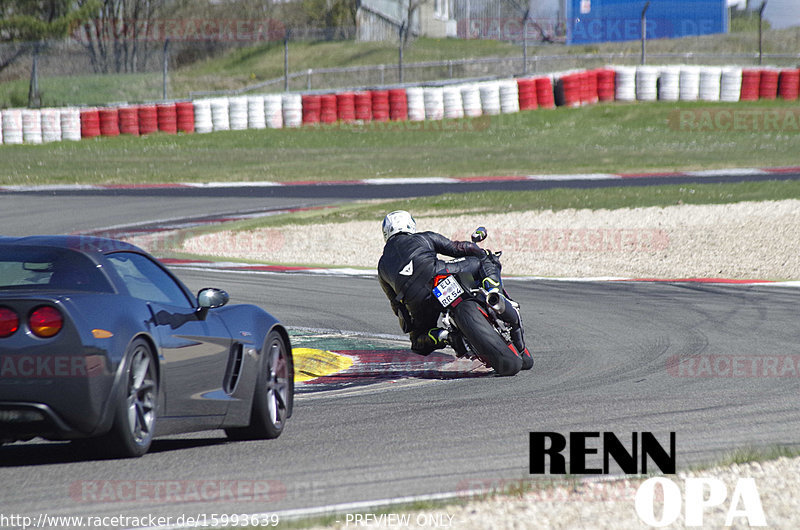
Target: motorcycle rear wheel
473	322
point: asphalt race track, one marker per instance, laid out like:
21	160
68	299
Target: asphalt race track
605	354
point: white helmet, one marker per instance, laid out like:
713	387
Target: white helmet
396	222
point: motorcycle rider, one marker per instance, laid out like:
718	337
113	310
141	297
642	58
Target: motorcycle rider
406	271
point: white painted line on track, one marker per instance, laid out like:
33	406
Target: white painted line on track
580	176
726	172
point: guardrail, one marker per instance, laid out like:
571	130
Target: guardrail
382	75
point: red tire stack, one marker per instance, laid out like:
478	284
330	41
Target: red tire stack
570	90
526	87
398	104
363	104
90	123
346	106
184	111
380	105
789	84
544	93
590	86
312	105
167	117
129	120
768	88
328	113
751	85
148	119
109	121
606	84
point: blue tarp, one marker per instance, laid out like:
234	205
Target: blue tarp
591	21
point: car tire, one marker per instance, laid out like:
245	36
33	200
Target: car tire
135	415
273	395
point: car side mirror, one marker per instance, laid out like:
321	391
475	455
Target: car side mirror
209	298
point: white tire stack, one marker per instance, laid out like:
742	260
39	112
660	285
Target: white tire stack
490	97
690	83
51	125
646	83
238	113
255	113
625	78
220	119
731	84
434	102
509	96
471	99
203	122
415	100
669	83
273	111
292	110
12	126
453	106
709	83
71	124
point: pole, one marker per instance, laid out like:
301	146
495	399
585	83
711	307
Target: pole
400	53
33	88
165	70
644	32
286	62
760	24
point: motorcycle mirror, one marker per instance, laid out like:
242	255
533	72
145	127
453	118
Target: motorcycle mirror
479	234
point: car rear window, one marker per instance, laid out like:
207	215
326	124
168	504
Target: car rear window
49	268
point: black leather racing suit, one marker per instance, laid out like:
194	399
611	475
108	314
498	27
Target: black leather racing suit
406	271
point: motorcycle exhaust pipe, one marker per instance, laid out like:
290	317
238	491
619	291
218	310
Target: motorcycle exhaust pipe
497	302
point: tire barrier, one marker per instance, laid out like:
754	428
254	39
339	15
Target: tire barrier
690	83
380	105
71	124
256	118
626	83
573	88
328	112
129	120
526	88
32	126
273	111
363	104
768	87
415	101
751	85
730	84
148	119
434	102
346	106
669	83
51	125
452	103
398	104
471	100
292	110
90	123
509	97
709	86
789	84
490	97
109	121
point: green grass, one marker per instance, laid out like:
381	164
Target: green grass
600	138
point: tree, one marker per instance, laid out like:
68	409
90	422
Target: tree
31	24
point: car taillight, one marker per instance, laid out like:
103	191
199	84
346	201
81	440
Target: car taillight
9	322
45	321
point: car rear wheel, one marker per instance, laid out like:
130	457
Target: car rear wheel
135	418
274	392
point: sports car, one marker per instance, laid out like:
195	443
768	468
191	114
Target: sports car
100	341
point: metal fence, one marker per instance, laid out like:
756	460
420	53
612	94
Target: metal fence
437	72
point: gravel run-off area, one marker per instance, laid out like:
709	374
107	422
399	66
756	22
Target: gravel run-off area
746	240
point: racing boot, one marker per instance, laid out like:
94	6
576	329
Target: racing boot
439	337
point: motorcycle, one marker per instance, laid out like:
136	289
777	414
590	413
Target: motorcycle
481	324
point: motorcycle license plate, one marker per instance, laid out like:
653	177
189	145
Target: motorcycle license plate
447	291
